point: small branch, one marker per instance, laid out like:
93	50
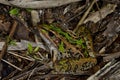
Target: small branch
11	65
27	73
102	13
4	49
21	56
84	16
111	56
106	69
22	45
37	4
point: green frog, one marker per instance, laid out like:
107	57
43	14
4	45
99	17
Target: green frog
68	44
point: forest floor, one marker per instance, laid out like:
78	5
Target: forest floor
75	41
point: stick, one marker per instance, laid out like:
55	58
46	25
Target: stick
84	16
4	49
37	4
11	65
106	69
21	56
111	56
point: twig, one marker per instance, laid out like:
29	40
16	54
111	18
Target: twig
107	68
4	49
21	56
52	48
32	72
102	13
13	29
37	4
27	73
84	16
22	45
11	65
111	56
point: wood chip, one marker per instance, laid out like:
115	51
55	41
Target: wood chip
95	17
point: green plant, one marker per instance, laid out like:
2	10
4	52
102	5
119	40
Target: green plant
11	41
14	11
32	50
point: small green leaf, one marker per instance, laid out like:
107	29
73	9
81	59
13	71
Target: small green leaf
61	47
14	11
30	48
36	49
12	42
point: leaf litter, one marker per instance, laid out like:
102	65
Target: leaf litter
71	41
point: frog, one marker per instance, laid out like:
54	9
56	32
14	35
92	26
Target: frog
76	45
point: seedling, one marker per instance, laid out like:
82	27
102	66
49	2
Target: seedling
11	41
32	50
14	11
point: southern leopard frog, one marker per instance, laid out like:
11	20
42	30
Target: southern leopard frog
67	44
